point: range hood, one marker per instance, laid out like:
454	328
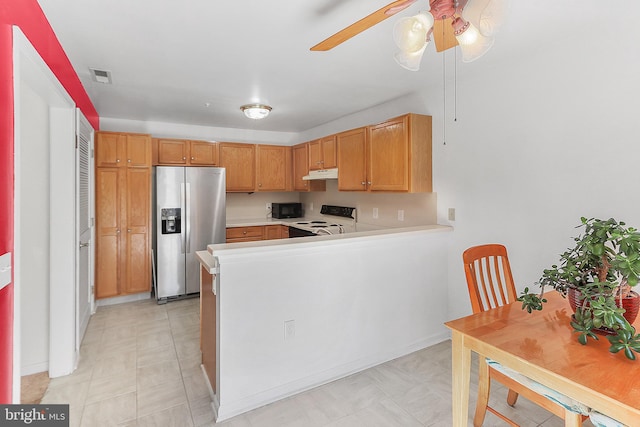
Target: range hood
321	174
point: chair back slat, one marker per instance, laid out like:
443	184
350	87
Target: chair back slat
489	278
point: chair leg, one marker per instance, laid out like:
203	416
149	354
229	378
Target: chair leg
484	387
571	419
512	397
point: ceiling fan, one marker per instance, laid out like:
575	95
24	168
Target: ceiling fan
468	23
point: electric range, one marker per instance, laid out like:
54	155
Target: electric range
333	220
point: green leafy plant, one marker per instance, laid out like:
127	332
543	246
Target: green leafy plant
603	266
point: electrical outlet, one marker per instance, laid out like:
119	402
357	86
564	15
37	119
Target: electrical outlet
400	215
375	213
268	206
289	329
452	214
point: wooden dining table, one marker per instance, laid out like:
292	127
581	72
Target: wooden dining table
542	346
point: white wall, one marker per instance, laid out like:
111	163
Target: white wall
34	232
541	140
356	302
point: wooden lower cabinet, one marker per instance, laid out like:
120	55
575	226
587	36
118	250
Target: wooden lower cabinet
123	231
245	234
257	232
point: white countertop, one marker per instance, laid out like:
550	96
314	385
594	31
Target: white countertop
261	245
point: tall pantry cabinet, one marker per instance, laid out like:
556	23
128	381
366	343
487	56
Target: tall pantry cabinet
123	214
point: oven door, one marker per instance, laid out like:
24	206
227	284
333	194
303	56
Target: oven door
298	232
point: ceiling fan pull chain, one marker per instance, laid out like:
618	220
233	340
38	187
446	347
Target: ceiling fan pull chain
444	99
455	84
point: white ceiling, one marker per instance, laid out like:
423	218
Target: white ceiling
169	58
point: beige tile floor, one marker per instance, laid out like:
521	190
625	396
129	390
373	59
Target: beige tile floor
139	366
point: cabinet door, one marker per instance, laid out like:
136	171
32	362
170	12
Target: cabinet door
389	156
271	167
352	166
110	149
138	229
239	160
301	168
172	151
108	198
315	155
329	156
138	151
204	153
272	232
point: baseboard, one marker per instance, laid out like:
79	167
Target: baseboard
34	368
123	299
226	410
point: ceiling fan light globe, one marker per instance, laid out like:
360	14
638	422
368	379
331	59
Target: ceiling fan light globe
472	43
410	60
486	15
410	33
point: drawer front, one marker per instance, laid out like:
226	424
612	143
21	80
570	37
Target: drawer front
243	232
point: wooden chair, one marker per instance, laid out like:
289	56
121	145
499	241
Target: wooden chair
491	285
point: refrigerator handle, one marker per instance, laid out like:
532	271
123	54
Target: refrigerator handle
183	232
188	216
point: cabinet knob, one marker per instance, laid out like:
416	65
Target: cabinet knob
193	158
184	158
363	183
118	231
259	185
369	183
244	232
117	160
128	230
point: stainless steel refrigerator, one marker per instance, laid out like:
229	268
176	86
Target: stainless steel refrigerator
190	214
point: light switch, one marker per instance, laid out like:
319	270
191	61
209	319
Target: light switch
5	269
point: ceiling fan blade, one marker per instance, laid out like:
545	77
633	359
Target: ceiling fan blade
366	22
443	35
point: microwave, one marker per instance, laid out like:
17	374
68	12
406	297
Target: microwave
286	210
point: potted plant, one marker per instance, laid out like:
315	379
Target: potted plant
597	275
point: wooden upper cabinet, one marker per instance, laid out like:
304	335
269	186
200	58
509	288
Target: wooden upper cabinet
110	149
352	156
300	155
322	153
399	157
203	153
181	152
273	168
115	149
239	160
394	156
172	151
389	156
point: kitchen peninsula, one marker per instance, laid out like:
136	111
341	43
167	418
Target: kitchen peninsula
283	316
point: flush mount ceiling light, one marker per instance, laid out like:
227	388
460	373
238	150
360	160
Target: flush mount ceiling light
471	24
256	111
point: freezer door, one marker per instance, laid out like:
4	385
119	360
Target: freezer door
170	196
206	217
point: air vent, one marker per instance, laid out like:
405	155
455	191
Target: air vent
100	76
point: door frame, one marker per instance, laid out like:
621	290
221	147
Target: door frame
28	66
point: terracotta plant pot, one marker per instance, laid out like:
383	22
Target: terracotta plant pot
631	304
